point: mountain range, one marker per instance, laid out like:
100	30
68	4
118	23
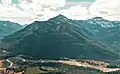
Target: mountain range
58	37
7	28
103	30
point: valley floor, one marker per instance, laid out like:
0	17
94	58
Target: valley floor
98	66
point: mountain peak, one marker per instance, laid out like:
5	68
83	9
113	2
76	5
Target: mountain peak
59	17
98	19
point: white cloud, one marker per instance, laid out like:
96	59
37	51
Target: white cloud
14	14
27	11
76	12
6	2
109	9
53	3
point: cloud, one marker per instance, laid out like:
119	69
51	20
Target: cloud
76	12
27	11
53	3
6	2
109	9
12	14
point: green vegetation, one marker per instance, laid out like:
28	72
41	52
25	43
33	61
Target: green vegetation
35	70
7	28
4	63
60	69
56	38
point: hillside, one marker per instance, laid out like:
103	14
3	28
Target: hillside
100	28
7	28
56	38
104	30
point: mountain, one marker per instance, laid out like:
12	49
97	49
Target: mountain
58	37
101	28
114	42
7	28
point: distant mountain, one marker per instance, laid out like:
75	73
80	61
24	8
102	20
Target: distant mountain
101	28
104	30
56	38
7	28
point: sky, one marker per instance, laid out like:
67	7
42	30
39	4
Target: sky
28	11
81	0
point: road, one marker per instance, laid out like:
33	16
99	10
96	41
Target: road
69	62
76	63
11	63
